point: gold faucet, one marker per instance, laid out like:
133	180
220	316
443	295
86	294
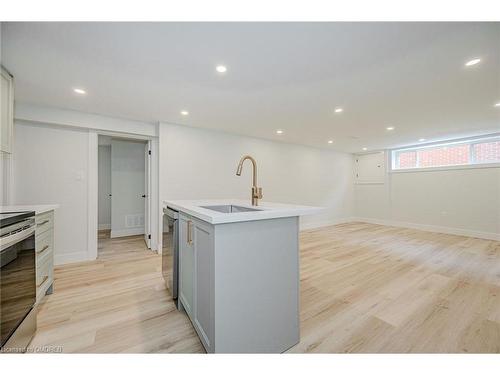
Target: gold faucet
256	191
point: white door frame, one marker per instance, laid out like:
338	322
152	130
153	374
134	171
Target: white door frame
147	193
93	188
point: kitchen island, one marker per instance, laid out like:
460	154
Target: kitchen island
239	273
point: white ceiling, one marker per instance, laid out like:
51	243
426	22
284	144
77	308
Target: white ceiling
286	76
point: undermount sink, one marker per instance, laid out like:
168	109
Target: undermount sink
229	208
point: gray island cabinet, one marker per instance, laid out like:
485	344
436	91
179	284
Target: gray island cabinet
239	281
239	273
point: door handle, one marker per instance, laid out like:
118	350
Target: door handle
144	195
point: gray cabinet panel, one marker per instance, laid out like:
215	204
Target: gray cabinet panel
257	286
203	254
186	265
239	283
6	111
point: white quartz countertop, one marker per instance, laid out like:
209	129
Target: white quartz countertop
38	208
267	210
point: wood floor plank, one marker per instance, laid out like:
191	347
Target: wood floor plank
365	288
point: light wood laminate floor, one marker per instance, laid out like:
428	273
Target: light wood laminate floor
117	303
364	288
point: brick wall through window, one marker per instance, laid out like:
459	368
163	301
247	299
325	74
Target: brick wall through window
486	152
438	157
408	159
464	153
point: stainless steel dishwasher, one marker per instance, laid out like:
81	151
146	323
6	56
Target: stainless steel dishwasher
170	251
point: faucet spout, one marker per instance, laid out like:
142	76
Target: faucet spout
256	191
254	165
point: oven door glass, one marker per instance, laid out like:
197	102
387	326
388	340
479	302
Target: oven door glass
17	285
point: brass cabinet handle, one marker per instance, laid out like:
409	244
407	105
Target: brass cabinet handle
44	280
43	249
189	230
43	222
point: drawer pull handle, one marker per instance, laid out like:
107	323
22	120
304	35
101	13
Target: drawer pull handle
43	249
189	230
43	222
45	278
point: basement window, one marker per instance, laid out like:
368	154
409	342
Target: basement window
484	151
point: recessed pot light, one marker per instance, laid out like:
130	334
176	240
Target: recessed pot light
390	128
497	104
421	139
330	141
472	62
364	149
339	110
184	113
279	131
221	68
79	91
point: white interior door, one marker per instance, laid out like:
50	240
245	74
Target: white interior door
104	187
147	193
128	171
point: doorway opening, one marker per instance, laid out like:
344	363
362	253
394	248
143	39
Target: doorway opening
123	192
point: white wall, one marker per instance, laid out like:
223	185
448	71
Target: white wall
127	186
51	166
104	187
198	164
49	134
58	116
461	201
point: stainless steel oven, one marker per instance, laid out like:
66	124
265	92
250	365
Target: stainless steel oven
170	251
17	280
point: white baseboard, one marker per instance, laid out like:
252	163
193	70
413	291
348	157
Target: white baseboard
79	256
402	224
430	228
104	227
127	232
321	224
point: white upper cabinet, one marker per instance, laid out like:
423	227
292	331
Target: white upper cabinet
7	111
